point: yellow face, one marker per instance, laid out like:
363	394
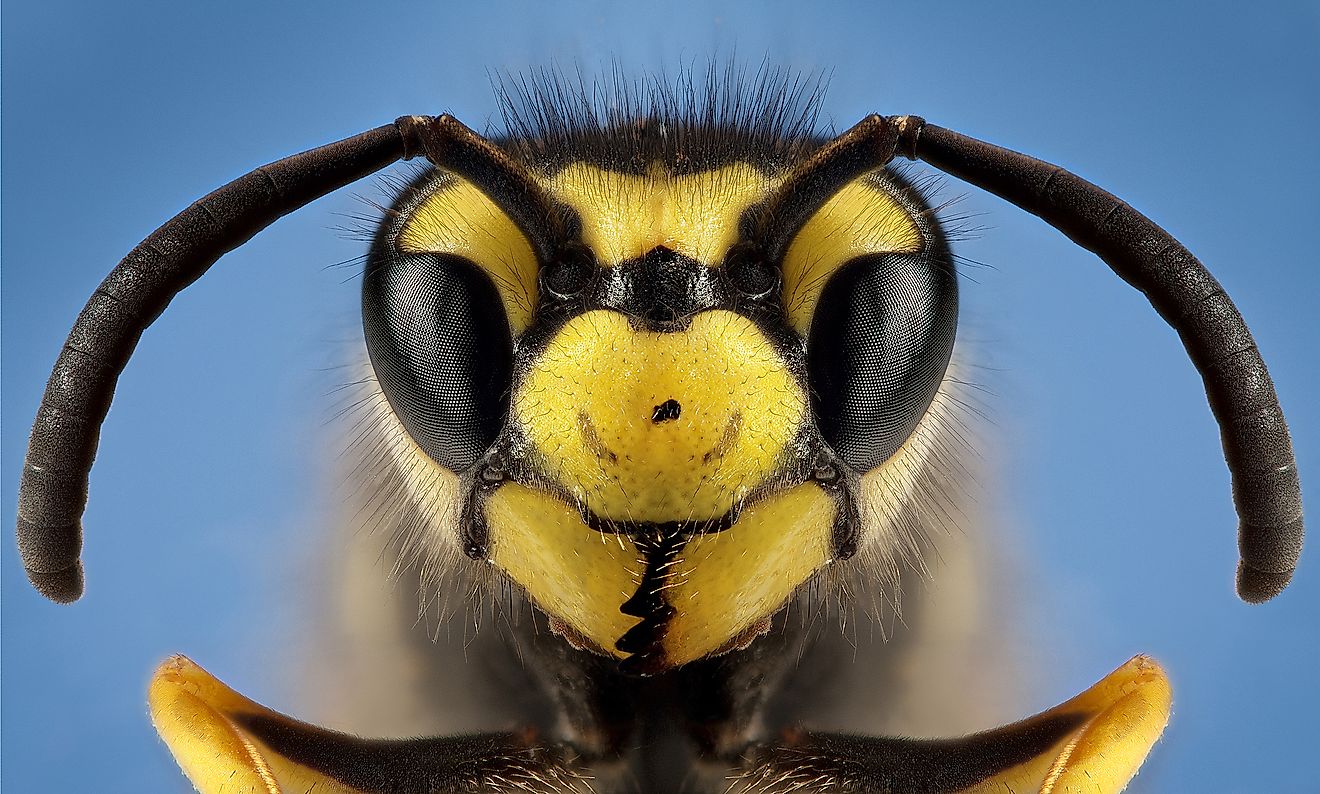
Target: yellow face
661	427
661	489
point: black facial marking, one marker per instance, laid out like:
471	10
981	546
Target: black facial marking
645	640
666	411
828	472
492	472
640	530
570	274
750	272
660	291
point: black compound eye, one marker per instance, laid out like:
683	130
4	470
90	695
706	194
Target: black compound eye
571	272
880	342
440	344
749	272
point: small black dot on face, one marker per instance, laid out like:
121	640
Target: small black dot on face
666	411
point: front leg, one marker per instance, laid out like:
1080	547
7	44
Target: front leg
227	743
1093	743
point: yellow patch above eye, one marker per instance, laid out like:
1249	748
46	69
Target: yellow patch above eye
626	215
459	219
862	218
643	426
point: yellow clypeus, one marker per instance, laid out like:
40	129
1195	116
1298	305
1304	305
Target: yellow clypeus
589	407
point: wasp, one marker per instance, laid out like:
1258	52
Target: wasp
660	373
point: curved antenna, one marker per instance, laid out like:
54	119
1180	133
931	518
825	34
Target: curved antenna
862	148
1257	447
53	492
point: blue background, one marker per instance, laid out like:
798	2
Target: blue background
1110	476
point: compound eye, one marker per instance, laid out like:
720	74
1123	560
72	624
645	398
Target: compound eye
572	271
879	346
439	341
449	283
451	280
749	272
868	281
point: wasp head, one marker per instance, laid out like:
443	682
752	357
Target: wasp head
666	378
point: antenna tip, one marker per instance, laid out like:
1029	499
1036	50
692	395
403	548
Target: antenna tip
62	587
1256	586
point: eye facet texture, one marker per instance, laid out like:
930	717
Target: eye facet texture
880	341
440	344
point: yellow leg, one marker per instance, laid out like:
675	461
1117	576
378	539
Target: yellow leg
1091	744
227	744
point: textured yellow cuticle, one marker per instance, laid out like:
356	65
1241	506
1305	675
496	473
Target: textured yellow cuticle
862	218
570	570
589	404
625	215
459	219
725	582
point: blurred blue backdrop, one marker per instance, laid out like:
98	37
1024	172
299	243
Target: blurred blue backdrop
116	115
